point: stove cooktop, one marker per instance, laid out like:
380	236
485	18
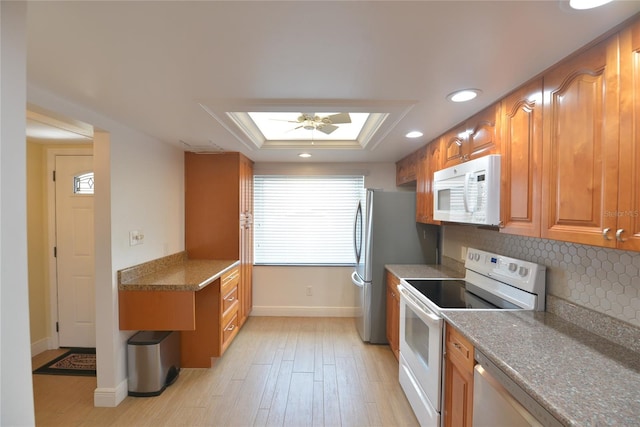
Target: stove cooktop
458	294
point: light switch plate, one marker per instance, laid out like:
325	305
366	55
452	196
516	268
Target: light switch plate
136	237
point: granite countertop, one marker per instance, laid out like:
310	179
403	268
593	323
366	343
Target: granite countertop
581	378
173	273
421	271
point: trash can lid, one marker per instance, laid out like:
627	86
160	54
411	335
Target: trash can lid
148	337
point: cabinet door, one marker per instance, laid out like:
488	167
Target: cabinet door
393	314
453	145
483	136
422	186
212	205
628	214
580	138
458	399
521	167
434	156
406	169
246	239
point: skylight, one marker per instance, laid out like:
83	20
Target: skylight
307	126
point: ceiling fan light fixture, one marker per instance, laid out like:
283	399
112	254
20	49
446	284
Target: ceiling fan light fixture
414	134
464	95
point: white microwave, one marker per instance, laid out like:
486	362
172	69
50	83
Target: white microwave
469	192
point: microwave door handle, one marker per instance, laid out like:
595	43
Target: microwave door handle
465	194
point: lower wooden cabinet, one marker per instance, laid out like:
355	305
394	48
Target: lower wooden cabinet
458	379
217	322
393	313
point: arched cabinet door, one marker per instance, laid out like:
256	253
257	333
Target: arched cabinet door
521	160
581	135
628	215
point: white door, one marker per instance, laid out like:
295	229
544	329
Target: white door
75	251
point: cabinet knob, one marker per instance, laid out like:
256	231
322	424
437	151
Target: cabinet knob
605	234
619	237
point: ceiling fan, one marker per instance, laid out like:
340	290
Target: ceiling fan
326	124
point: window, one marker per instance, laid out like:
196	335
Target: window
305	220
83	184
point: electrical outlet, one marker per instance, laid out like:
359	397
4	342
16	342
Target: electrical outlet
463	253
309	291
136	237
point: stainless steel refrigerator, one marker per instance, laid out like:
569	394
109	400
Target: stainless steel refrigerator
385	232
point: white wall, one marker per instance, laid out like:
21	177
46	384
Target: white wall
16	391
139	186
282	290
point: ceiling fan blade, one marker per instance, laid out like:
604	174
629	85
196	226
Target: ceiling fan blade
340	118
282	120
326	128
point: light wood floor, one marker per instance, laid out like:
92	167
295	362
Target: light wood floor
278	371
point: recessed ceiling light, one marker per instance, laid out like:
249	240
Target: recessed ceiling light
304	155
587	4
414	134
463	95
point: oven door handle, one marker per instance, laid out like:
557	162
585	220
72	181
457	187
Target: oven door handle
418	307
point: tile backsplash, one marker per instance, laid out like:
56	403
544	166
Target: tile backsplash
603	280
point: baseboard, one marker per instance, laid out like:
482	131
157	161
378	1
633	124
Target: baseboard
41	345
110	397
289	311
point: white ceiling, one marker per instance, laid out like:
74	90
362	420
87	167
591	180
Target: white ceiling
152	65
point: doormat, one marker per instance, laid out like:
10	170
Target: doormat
76	361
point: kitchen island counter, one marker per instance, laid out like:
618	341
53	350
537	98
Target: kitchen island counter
578	376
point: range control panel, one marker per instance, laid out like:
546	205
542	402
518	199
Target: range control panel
516	272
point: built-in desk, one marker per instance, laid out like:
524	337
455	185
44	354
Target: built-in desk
175	293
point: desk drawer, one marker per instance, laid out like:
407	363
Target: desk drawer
229	299
228	280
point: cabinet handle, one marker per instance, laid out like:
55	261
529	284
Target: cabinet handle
501	224
457	345
230	328
230	299
619	237
605	234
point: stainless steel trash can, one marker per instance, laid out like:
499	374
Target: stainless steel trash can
153	361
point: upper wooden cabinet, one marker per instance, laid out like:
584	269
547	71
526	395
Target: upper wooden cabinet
476	137
520	162
580	146
219	214
430	159
406	169
628	214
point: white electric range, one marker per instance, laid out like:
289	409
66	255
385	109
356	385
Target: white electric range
491	282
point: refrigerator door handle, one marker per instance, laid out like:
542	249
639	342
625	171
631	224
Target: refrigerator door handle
356	280
357	233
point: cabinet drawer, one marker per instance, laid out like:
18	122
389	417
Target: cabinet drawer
228	280
229	330
459	349
229	299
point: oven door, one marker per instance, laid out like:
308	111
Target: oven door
421	346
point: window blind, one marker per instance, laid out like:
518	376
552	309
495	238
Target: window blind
305	220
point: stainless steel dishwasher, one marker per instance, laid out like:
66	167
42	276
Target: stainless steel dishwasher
499	401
